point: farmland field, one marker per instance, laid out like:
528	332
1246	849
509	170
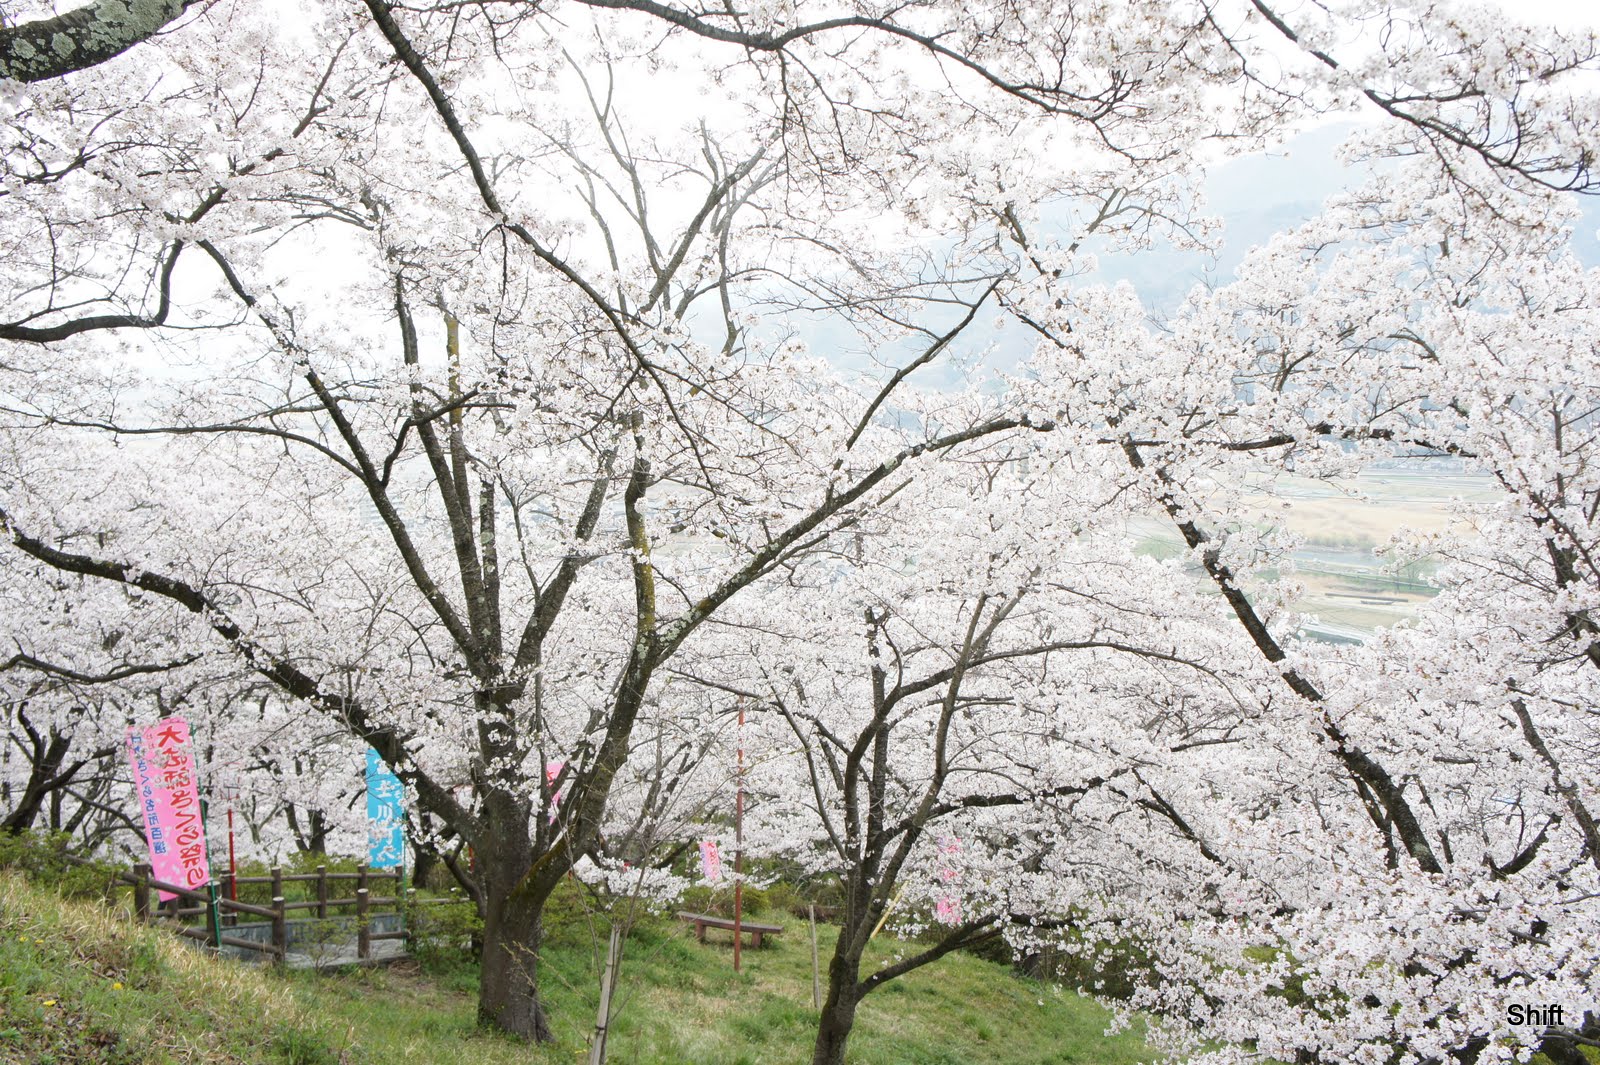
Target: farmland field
1350	589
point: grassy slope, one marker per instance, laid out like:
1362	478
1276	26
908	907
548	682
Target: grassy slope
678	1002
79	986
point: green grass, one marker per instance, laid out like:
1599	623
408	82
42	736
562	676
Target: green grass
78	984
679	1002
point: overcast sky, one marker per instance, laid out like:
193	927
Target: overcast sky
1259	195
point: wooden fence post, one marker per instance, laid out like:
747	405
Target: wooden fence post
322	891
280	927
230	893
364	932
400	891
141	892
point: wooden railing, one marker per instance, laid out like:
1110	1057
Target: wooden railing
198	902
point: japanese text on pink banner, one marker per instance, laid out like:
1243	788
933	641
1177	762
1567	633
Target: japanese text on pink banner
169	798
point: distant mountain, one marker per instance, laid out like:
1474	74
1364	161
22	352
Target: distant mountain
1259	195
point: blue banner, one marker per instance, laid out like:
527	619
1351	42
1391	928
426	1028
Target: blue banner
386	821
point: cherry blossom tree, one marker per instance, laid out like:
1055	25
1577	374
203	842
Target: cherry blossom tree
474	486
81	658
1446	764
1006	703
542	435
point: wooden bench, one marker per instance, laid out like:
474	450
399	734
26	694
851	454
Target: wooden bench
702	921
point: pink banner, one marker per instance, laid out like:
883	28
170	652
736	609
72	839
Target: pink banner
552	770
169	797
947	910
710	860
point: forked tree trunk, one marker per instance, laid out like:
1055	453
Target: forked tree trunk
312	837
45	779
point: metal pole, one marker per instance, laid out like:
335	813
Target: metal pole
363	902
233	866
364	929
213	916
738	848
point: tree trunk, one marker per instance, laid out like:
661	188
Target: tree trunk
513	934
508	989
313	838
44	780
423	862
839	1008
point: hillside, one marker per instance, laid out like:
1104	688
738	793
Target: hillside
80	985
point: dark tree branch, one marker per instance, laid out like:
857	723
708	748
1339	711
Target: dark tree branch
83	37
45	334
1500	155
28	661
280	671
969	934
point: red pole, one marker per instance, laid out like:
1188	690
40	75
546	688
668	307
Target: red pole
233	867
738	847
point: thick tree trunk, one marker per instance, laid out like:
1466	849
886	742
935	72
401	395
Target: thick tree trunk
508	987
21	818
839	1008
423	863
313	837
508	994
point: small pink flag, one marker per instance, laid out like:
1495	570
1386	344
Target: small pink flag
552	770
947	910
710	860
